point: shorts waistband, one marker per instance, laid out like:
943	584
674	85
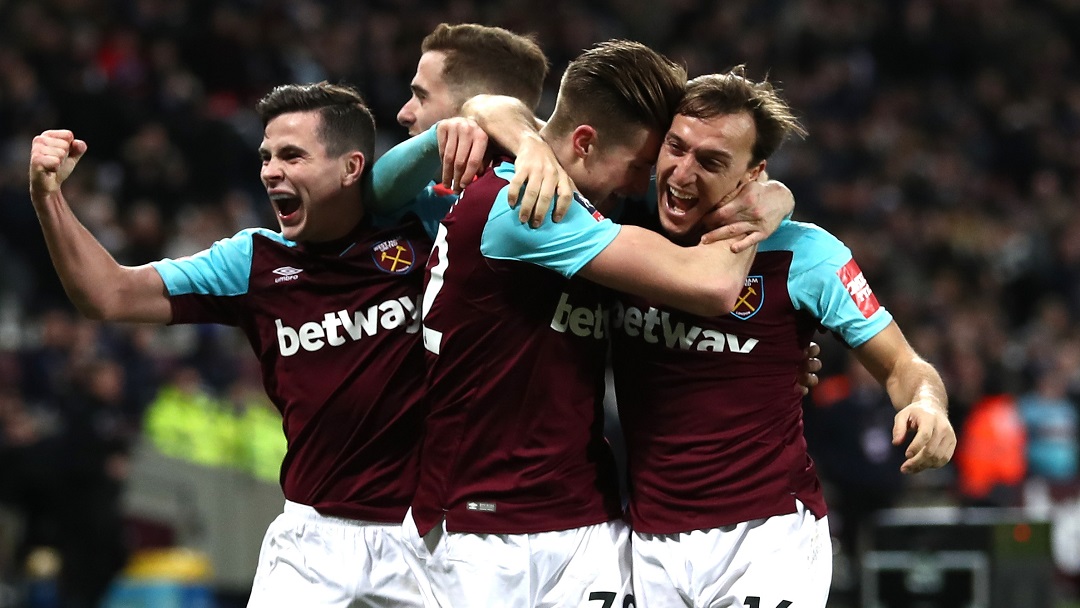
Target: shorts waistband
295	509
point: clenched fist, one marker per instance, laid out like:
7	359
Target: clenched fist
53	156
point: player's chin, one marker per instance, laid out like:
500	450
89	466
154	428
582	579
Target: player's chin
292	231
675	226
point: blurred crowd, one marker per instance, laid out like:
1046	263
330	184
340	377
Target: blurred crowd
944	149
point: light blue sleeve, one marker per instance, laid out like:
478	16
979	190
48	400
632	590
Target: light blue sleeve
221	270
825	281
402	173
564	247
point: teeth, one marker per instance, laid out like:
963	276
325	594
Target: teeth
279	196
679	194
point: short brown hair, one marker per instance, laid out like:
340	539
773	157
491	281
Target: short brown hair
347	123
486	59
618	84
733	93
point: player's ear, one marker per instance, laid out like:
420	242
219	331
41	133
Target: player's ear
584	141
352	168
754	172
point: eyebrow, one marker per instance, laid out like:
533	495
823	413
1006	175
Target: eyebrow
713	154
287	149
708	153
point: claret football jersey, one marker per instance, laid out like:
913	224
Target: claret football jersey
336	329
712	419
516	355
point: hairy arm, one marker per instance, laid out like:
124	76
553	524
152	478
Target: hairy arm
98	286
918	394
704	279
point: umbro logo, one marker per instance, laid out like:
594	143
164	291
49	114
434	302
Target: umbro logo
288	273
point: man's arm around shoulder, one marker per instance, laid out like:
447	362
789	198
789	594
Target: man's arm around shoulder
705	279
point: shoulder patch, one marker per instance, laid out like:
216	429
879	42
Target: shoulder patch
751	298
852	277
584	202
394	256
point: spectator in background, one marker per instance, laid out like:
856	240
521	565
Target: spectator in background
184	421
849	424
1053	425
65	465
96	441
991	460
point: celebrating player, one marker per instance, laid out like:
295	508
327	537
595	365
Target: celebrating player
466	59
514	468
329	305
720	476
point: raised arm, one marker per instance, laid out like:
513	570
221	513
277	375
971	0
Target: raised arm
918	394
98	286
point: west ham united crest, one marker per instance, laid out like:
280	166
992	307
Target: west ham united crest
751	298
395	256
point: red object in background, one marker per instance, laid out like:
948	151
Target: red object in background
992	447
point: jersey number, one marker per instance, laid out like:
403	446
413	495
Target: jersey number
608	598
755	602
433	338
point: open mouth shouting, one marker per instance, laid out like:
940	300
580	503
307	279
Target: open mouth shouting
287	206
678	201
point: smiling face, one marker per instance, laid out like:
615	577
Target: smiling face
432	99
701	161
316	196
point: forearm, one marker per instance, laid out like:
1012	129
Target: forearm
915	380
716	263
506	120
403	173
907	377
704	279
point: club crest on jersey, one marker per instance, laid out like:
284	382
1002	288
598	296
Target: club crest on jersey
751	298
584	202
394	256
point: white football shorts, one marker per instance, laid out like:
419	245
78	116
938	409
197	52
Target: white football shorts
586	567
776	562
308	559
